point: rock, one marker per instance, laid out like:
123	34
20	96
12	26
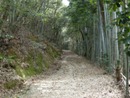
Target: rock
12	66
16	77
5	65
24	65
110	91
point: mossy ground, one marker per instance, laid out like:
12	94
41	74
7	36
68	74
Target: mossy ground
11	84
38	62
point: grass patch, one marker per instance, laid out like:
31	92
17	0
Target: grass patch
36	65
38	62
30	71
52	52
11	84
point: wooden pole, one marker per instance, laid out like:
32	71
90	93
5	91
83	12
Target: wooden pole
127	79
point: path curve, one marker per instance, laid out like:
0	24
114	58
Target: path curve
76	78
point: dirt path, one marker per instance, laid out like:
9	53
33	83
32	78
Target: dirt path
76	78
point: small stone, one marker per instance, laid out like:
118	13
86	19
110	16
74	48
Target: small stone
24	65
110	91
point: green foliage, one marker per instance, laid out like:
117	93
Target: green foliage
40	16
9	59
36	65
38	62
105	60
11	84
8	36
30	71
123	22
79	13
114	4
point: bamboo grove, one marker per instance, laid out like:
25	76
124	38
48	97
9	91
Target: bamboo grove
99	30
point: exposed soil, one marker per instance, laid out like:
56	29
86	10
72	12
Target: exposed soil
74	77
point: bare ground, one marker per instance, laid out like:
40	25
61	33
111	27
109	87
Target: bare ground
75	78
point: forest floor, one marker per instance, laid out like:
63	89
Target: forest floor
75	77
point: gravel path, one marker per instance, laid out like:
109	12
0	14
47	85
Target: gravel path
76	78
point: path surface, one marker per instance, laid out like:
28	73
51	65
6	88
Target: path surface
76	78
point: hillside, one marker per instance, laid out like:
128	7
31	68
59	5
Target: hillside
23	55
